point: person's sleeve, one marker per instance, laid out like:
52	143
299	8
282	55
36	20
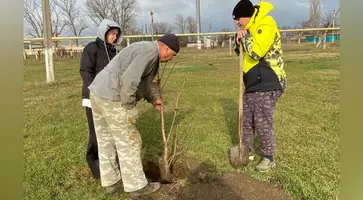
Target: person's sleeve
131	78
258	45
88	66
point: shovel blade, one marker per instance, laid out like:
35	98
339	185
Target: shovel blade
235	159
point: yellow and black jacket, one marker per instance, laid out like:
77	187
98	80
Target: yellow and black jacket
263	65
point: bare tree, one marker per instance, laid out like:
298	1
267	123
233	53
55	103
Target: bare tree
315	8
191	24
171	152
58	21
161	28
73	16
34	19
224	37
136	31
192	27
314	18
180	24
314	15
121	11
328	19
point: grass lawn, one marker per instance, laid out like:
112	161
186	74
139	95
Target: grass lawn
306	123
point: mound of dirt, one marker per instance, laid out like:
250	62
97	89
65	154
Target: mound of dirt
233	186
194	181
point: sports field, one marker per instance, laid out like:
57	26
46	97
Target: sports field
306	124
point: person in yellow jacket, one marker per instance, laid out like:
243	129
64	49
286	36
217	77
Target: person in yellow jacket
263	74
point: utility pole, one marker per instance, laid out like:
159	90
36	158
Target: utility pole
330	24
48	51
152	25
197	3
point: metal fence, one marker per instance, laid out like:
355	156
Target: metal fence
69	47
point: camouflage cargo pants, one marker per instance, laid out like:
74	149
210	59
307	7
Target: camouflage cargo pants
258	109
117	136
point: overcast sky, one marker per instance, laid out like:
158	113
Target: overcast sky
218	12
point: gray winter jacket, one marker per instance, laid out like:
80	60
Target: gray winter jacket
128	76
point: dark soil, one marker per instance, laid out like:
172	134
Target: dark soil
195	181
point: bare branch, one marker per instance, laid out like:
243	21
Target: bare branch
192	27
181	23
33	18
176	137
73	16
58	22
172	158
97	10
161	28
165	161
328	19
121	11
191	24
175	112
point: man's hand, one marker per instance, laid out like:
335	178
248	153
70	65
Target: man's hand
158	104
241	33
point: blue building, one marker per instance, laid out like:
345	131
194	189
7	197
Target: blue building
329	38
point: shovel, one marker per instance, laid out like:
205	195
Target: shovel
239	153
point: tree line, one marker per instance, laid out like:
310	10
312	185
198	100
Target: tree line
68	18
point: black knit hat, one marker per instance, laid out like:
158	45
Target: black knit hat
244	8
171	41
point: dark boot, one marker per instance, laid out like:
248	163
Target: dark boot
114	188
148	189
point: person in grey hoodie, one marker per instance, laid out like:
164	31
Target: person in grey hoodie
96	55
114	94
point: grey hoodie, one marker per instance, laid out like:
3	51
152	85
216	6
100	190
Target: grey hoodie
128	76
104	26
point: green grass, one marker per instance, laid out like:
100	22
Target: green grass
306	124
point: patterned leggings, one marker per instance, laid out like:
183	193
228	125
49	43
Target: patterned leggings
258	108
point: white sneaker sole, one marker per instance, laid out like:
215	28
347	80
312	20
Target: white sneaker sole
273	166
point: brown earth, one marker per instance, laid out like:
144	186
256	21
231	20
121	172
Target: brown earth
195	181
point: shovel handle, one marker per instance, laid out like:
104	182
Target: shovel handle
240	109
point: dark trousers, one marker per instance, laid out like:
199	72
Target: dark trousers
92	149
258	109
